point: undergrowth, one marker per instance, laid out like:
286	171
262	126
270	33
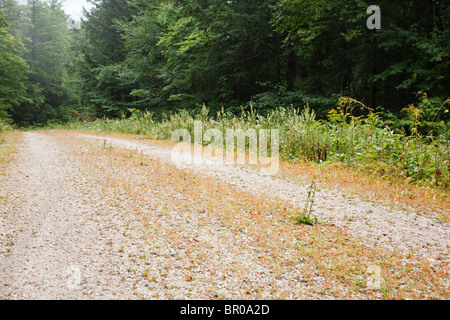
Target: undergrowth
4	127
304	216
414	149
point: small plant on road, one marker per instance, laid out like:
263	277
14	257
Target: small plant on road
105	147
304	217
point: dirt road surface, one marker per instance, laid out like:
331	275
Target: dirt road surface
87	216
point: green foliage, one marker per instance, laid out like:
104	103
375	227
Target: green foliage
39	69
181	54
338	54
304	217
13	73
98	70
4	126
280	96
46	37
260	55
195	52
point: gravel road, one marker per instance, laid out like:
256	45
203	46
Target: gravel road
61	236
378	225
58	250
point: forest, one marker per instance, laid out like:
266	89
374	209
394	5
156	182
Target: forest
131	60
225	150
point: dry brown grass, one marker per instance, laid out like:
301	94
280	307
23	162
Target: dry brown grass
372	187
332	263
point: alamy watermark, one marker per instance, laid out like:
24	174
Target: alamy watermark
374	21
229	146
73	274
373	277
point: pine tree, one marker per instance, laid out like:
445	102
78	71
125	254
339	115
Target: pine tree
103	52
13	72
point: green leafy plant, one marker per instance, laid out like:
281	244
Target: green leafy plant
304	216
104	147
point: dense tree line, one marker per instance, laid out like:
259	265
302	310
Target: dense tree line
181	54
41	56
